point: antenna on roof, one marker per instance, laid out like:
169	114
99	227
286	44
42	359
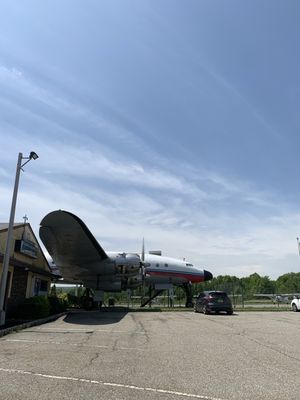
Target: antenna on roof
25	219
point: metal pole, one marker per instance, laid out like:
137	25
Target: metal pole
8	242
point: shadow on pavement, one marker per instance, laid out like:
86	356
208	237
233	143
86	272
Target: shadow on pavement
96	317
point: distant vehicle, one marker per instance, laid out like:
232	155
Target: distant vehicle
276	298
213	301
279	298
295	304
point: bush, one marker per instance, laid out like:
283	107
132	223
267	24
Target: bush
73	301
57	304
35	307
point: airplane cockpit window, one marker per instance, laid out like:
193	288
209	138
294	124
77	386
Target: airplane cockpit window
189	265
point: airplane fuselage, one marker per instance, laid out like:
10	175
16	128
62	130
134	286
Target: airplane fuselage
156	269
171	270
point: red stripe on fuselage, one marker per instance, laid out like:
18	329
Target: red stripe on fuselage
189	277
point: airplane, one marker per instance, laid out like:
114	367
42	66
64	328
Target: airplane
82	260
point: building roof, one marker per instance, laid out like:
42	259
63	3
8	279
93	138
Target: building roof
17	263
4	225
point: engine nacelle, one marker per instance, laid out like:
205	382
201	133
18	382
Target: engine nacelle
132	282
128	263
108	286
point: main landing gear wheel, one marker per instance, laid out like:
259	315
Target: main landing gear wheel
189	295
87	300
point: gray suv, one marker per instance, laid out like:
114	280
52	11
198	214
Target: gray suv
213	301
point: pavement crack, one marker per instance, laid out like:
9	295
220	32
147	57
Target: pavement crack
140	327
267	345
271	347
93	358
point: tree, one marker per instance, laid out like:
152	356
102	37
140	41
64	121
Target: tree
288	283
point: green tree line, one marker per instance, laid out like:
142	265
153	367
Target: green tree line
243	288
253	284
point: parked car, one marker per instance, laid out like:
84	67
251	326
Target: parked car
295	304
213	301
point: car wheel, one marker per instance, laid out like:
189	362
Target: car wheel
229	312
294	307
205	310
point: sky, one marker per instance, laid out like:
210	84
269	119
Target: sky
176	121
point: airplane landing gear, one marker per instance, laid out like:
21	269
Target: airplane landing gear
87	299
189	295
151	296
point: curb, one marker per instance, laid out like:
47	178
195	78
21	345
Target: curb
28	324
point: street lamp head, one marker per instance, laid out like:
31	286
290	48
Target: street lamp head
33	155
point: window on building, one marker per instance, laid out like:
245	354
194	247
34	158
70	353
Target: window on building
44	286
40	285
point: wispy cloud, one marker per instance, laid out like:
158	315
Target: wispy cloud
179	228
105	144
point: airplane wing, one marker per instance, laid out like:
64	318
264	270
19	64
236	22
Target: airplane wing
73	248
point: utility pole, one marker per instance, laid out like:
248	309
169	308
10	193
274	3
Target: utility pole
6	257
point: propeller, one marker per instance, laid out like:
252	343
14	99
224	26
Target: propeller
143	251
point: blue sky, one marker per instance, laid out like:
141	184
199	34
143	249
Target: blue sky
177	121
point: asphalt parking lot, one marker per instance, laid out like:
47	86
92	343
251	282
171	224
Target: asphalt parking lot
154	355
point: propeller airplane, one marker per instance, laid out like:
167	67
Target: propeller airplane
81	260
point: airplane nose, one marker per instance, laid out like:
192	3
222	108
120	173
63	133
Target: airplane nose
207	275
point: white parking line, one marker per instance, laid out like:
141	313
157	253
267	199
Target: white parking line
71	344
117	385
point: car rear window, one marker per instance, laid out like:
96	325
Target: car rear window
218	295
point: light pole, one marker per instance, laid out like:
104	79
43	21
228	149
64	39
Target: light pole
32	156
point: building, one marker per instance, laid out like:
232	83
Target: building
29	273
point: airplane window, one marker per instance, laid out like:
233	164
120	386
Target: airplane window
166	265
157	265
